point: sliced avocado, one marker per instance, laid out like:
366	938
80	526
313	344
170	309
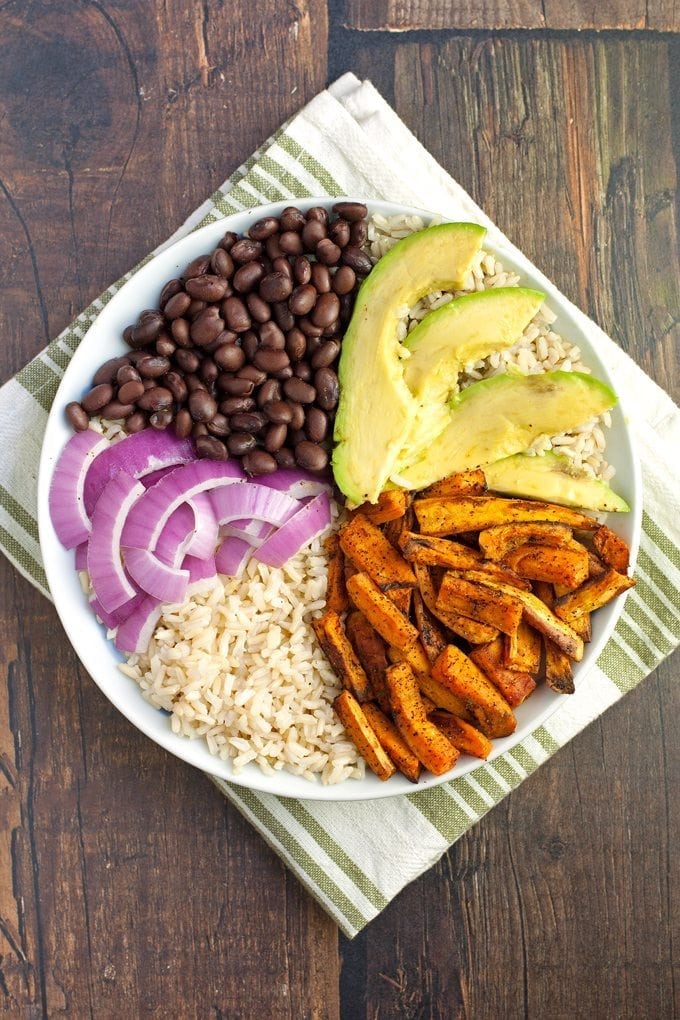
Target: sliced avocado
549	477
464	330
376	407
503	415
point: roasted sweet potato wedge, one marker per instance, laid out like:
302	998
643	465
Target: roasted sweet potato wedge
427	742
371	652
496	542
475	513
491	712
442	697
497	609
522	650
471	483
361	732
558	672
368	549
336	590
471	630
392	742
431	633
390	506
566	565
514	685
341	655
596	592
463	735
612	549
438	552
387	619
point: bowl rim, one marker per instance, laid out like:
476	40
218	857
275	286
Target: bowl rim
80	631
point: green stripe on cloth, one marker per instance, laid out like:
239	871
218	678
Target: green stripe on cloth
19	513
656	575
310	163
28	563
637	644
303	860
644	620
661	611
41	381
659	538
523	758
619	667
286	179
489	784
442	812
546	740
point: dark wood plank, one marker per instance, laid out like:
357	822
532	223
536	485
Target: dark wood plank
128	887
561	900
411	15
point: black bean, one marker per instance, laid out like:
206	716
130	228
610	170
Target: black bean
275	437
202	407
153	366
299	391
272	247
292	219
229	357
239	443
208	287
247	421
272	337
339	232
235	386
279	412
218	425
316	424
325	354
237	315
250	343
135	422
343	280
171	288
248	277
197	267
275	287
107	372
302	269
246	250
174	382
155	399
181	332
188	361
259	309
358	233
264	228
210	448
222	263
97	397
183	423
229	240
198	429
298	419
148	328
259	462
269	391
327	388
303	299
165	346
321	278
290	243
285	458
207	327
310	456
313	232
129	392
77	416
161	419
326	310
351	211
356	259
116	410
195	308
283	373
208	372
306	326
270	361
177	305
303	371
283	315
237	405
296	344
327	252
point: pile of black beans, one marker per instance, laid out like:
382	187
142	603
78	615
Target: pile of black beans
242	350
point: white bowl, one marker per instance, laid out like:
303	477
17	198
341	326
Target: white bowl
100	657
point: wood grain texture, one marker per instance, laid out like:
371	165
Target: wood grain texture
561	900
128	887
412	15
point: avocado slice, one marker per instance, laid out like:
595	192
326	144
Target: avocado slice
464	330
547	477
376	407
500	416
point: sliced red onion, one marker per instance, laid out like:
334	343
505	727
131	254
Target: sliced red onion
81	556
108	619
135	633
137	455
155	476
252	531
200	571
298	531
110	584
206	529
232	556
296	483
151	512
68	509
163	581
253	501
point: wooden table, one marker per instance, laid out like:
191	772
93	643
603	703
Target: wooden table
128	887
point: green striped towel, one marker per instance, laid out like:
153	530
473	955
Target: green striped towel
355	857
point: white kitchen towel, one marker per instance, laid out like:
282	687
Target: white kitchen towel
355	857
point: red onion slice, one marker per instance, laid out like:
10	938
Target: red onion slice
252	531
253	501
151	512
110	584
200	571
135	633
81	556
313	518
232	556
206	529
296	483
68	511
163	581
137	455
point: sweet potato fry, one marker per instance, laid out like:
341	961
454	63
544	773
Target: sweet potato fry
336	590
427	742
558	674
390	506
473	631
414	655
596	592
496	542
472	483
359	729
438	552
431	633
371	652
564	565
579	624
596	568
539	616
341	655
386	618
442	697
366	546
392	742
462	735
612	549
491	712
469	598
522	650
514	685
474	513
